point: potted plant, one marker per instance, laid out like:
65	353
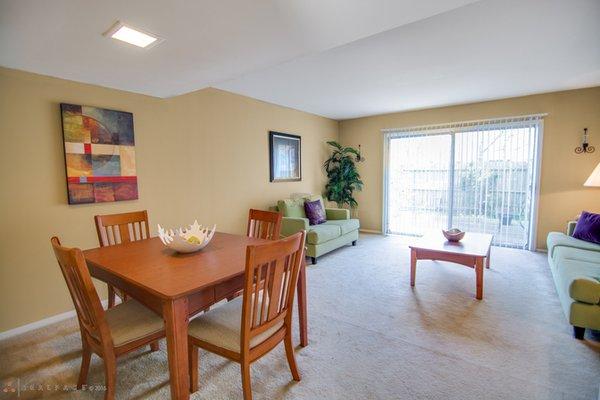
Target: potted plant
342	175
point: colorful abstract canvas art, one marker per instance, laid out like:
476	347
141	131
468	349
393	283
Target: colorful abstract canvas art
99	154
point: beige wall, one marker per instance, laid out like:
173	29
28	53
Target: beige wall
203	155
563	172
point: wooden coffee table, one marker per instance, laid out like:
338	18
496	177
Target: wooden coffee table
473	250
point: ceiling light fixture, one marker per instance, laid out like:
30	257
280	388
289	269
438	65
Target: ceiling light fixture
136	37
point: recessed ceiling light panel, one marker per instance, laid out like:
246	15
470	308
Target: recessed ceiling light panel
136	37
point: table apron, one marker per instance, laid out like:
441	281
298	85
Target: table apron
463	259
150	300
204	298
197	301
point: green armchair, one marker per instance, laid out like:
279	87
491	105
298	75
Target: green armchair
339	229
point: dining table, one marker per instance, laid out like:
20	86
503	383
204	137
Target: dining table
178	286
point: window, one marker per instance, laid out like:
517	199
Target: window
479	176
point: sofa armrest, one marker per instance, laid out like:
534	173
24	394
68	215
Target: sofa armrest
571	227
290	225
337	213
585	290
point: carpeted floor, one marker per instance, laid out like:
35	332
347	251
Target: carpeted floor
371	337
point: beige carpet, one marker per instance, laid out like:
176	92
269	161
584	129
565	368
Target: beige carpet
373	337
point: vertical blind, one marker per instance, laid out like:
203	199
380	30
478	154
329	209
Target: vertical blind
478	176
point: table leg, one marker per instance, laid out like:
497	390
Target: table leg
413	266
175	313
479	277
487	259
302	317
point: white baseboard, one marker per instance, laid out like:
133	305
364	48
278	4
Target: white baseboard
370	231
44	322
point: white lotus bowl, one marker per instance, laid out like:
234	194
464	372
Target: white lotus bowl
178	239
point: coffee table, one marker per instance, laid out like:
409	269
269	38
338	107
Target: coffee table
472	251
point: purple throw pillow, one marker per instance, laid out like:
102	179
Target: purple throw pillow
314	212
588	227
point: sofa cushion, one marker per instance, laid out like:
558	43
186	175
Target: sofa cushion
558	240
318	234
293	208
588	227
314	212
562	253
346	225
314	197
586	290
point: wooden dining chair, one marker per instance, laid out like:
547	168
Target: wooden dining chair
247	328
121	228
264	224
111	333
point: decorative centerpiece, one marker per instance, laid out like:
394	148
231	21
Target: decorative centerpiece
185	240
453	235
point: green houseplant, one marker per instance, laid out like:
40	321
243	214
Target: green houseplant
342	175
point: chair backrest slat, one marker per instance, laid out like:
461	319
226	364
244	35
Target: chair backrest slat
83	293
122	228
271	276
264	224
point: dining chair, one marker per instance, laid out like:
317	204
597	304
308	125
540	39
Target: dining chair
245	329
121	228
264	224
111	333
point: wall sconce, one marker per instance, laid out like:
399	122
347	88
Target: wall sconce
585	146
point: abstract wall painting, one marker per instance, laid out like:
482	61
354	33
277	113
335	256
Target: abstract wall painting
284	157
99	154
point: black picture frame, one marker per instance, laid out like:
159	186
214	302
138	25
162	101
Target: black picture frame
294	144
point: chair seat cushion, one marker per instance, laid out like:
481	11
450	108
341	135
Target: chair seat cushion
222	325
346	225
130	321
318	234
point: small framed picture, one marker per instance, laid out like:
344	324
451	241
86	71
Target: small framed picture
284	157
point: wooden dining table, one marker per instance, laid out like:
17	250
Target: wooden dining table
178	286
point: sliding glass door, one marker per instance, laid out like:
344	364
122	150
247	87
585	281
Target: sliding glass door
418	183
478	178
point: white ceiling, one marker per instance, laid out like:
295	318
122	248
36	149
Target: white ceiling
488	50
206	41
337	58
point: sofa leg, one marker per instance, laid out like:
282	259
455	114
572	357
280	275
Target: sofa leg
354	243
578	332
313	260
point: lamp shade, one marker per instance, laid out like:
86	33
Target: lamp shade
594	179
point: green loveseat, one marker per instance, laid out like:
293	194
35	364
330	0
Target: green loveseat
338	231
575	266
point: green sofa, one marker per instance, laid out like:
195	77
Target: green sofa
575	266
338	231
